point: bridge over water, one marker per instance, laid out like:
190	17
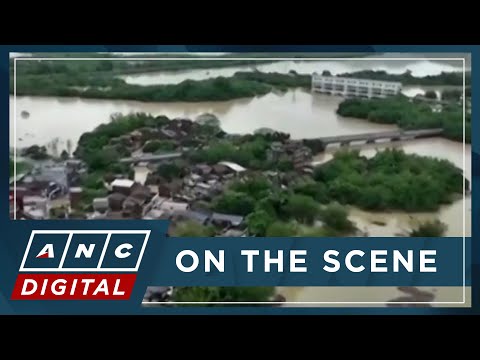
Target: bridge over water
343	140
370	138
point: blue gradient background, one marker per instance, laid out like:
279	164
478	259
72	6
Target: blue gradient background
9	254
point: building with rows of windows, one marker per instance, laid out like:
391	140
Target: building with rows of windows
351	87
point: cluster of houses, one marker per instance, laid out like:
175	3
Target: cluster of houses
129	199
183	133
52	185
294	151
205	181
32	194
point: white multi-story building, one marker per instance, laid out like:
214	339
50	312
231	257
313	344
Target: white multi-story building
351	87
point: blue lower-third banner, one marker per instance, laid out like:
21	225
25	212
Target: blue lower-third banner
117	260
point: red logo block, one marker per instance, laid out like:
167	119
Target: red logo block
73	286
80	265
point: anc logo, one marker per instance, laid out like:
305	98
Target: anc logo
80	264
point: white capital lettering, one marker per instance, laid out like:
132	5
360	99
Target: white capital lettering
375	260
121	254
278	260
59	290
87	283
398	258
424	261
328	258
102	287
294	261
218	263
250	254
26	284
180	256
87	252
348	261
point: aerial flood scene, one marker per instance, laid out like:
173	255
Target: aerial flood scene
234	145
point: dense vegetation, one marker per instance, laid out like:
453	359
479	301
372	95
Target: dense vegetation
192	229
409	115
430	229
389	180
99	79
274	211
95	147
223	294
72	67
36	152
453	94
98	87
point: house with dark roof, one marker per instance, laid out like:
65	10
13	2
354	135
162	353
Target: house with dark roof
201	217
226	220
46	180
115	201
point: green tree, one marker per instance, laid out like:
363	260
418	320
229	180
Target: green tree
323	231
255	186
36	152
452	94
102	160
430	229
315	190
430	94
232	202
159	146
335	216
281	229
208	120
93	181
389	180
223	294
285	165
88	194
64	155
258	222
302	208
169	171
192	229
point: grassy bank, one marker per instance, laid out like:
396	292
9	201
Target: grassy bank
116	67
241	85
409	115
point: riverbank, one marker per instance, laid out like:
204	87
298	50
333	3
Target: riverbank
104	64
100	80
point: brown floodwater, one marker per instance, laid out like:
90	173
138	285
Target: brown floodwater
420	67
